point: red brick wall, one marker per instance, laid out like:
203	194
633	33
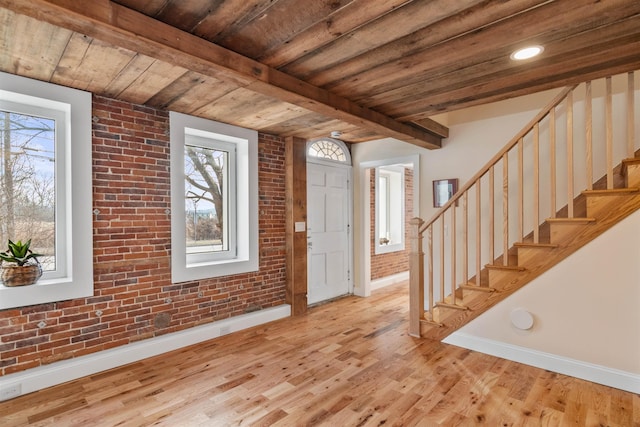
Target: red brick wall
134	297
384	265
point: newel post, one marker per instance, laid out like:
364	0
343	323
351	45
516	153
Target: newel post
416	277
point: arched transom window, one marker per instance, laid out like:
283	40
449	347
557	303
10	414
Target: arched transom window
328	149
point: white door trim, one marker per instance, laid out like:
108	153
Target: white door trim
362	284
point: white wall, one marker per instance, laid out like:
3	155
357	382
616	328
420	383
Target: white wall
585	312
475	135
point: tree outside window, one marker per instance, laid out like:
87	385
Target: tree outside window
205	195
27	182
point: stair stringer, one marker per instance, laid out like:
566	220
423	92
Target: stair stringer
604	210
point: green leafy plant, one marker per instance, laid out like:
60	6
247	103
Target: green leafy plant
19	253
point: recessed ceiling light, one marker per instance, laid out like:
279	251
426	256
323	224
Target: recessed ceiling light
526	53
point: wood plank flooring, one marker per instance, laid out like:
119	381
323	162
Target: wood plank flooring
347	363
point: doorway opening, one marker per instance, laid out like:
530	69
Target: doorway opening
373	269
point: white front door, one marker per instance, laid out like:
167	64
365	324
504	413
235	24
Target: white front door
328	212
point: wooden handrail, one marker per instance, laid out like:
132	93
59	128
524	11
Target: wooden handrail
525	130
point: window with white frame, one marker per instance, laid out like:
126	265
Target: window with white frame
214	198
45	186
389	209
329	149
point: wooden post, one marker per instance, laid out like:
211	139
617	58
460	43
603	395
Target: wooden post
552	160
416	277
296	211
570	155
588	131
430	277
609	130
505	209
631	147
536	183
521	190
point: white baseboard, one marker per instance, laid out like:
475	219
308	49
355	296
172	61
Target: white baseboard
13	385
389	280
622	380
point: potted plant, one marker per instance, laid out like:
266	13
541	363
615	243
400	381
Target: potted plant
20	265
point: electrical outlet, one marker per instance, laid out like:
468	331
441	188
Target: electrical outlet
10	391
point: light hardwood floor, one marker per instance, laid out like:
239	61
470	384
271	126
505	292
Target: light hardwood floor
347	363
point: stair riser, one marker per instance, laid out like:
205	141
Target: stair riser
632	177
499	276
561	232
533	256
600	207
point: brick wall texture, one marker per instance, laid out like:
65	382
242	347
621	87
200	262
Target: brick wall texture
383	265
134	298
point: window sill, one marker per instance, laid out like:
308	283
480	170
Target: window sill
208	270
385	249
43	292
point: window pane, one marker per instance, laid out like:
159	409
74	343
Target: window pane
206	199
27	183
327	149
383	211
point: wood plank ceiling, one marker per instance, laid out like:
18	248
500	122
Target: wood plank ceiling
366	68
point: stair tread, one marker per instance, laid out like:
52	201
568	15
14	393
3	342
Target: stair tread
627	162
571	220
535	245
432	323
474	287
453	306
505	267
631	160
611	191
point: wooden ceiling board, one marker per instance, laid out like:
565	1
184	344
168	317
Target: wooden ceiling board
303	123
315	127
255	112
343	21
198	97
186	14
83	64
230	17
237	105
20	55
277	112
148	7
189	92
349	133
474	18
128	75
156	78
400	22
267	32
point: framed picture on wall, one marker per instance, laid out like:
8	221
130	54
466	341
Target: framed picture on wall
443	190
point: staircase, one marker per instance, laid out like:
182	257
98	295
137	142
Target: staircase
491	238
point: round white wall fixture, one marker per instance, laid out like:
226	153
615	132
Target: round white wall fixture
521	319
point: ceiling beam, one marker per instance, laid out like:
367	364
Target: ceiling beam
126	28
